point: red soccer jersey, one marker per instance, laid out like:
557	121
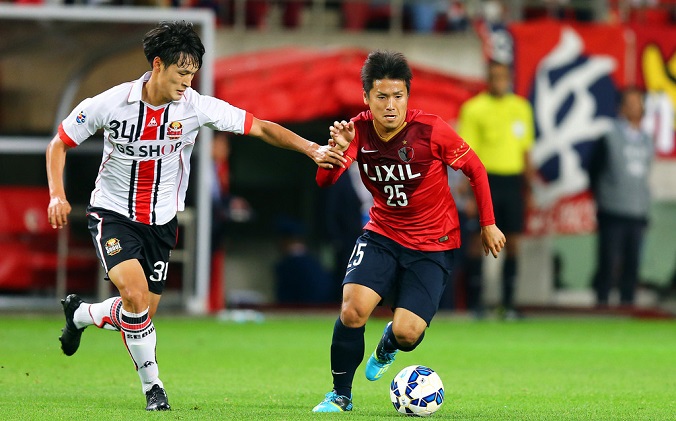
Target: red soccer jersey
408	180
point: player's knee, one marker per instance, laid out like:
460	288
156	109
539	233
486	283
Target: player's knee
134	299
353	317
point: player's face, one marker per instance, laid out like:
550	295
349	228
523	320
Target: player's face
632	106
499	79
175	79
388	101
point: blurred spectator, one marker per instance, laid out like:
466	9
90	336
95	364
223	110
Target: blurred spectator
424	14
225	208
457	18
256	12
619	178
498	125
300	278
560	10
347	206
360	15
457	294
650	12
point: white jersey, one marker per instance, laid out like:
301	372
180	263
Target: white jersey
146	155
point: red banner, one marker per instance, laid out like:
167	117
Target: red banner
571	75
534	41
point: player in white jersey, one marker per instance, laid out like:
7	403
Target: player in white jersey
149	128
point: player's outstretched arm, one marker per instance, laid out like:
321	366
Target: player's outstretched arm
492	240
276	135
59	208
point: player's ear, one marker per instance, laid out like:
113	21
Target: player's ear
157	63
366	97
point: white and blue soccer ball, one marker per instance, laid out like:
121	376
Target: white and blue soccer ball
417	390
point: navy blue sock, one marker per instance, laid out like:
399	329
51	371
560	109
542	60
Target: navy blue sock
508	282
347	352
474	284
388	343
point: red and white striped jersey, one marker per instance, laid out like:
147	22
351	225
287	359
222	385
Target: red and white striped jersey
146	155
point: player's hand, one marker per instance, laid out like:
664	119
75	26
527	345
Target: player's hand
327	156
492	240
342	134
58	211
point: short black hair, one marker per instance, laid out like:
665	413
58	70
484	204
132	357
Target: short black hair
385	65
174	43
497	63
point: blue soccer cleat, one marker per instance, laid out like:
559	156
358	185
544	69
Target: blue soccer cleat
380	361
334	403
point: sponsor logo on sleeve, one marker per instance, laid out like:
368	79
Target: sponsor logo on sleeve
81	118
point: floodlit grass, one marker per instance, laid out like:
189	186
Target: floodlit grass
536	369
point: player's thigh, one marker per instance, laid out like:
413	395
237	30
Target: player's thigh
157	245
118	239
423	281
373	263
130	280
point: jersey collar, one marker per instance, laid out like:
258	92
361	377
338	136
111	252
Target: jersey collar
136	92
388	136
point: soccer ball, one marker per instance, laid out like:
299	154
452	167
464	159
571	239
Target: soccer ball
417	390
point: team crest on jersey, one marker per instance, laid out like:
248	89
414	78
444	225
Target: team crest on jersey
113	246
81	117
406	153
152	123
175	130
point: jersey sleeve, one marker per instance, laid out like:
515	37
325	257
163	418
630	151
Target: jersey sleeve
326	177
478	179
448	146
468	126
220	115
83	121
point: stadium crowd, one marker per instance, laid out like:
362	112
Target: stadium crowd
422	16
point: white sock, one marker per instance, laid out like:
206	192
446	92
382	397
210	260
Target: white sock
138	334
104	315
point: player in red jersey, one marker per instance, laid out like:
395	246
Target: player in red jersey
149	130
406	252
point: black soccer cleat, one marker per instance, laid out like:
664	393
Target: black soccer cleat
70	335
157	399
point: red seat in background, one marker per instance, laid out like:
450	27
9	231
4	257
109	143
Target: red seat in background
28	245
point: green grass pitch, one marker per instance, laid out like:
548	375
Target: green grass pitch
536	369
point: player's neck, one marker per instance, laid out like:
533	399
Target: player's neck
384	135
150	95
